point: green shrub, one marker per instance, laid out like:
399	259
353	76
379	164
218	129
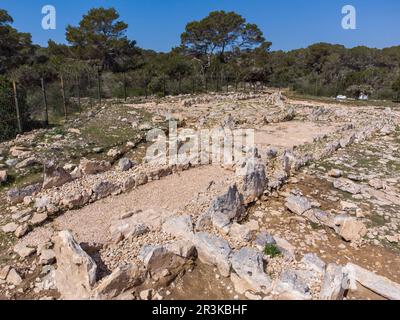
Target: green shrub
272	250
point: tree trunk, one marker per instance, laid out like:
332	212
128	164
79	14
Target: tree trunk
193	85
180	84
164	87
99	86
125	91
63	97
17	107
78	88
46	109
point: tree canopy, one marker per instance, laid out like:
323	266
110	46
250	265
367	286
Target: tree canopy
101	38
15	47
220	32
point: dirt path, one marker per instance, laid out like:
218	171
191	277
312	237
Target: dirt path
171	194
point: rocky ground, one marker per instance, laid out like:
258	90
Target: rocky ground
310	212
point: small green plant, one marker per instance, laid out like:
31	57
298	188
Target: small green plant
272	250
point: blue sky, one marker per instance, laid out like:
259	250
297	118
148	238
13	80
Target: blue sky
289	24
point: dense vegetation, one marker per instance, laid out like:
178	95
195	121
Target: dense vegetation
220	51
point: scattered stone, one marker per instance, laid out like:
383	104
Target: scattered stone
15	196
298	204
13	277
376	184
351	229
89	167
10	227
347	185
244	232
22	230
38	219
55	177
127	228
4	272
179	226
125	164
335	173
103	189
225	209
47	257
24	251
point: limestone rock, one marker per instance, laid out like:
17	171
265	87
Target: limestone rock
24	251
244	232
127	228
249	266
125	164
47	257
89	167
290	286
314	263
351	229
297	204
55	177
213	250
13	277
227	208
335	283
9	227
103	189
76	270
254	180
179	226
15	196
38	219
347	185
121	279
378	284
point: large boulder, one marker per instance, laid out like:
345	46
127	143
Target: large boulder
214	251
249	266
225	209
76	270
55	177
254	179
